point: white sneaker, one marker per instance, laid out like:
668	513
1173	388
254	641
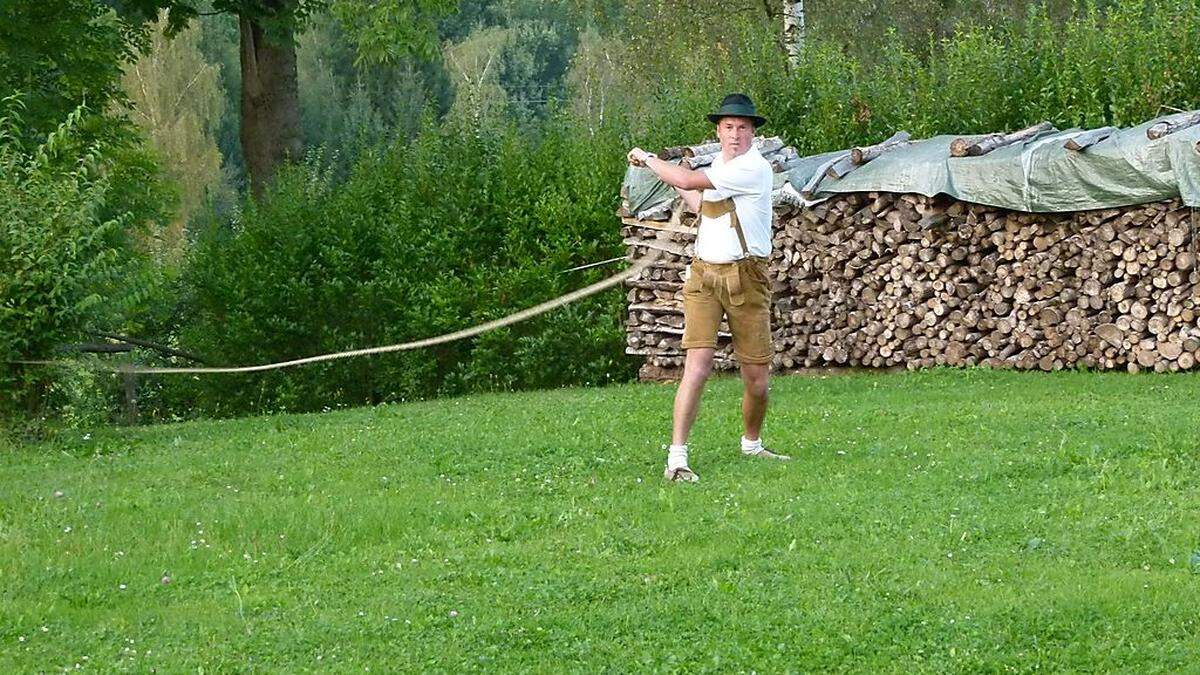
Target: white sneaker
763	452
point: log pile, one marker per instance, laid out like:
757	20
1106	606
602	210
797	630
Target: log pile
885	280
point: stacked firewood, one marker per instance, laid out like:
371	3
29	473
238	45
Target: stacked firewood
899	280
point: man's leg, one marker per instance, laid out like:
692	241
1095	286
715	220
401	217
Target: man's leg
701	316
755	378
750	323
697	366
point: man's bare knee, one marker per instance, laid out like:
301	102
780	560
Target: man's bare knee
698	364
756	379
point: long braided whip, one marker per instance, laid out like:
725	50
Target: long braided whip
516	317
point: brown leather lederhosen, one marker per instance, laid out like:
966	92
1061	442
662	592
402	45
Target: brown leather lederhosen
738	291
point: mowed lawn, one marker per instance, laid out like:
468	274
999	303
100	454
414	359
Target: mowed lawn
942	521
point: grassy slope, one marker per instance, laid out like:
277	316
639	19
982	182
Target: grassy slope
939	521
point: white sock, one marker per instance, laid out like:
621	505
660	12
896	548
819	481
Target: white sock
749	446
677	456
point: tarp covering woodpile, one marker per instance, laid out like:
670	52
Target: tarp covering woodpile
1035	249
1039	173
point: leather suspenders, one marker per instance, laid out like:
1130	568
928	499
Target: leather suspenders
719	208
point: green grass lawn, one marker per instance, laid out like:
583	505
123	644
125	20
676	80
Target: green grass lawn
933	521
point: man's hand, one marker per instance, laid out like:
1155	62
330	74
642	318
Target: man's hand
638	156
671	174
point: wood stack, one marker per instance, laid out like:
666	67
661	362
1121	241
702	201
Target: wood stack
889	280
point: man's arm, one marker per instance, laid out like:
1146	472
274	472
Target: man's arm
679	177
691	198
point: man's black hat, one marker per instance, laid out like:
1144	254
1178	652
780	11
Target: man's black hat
737	105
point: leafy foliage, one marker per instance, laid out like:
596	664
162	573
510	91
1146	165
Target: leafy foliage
68	262
1122	66
175	98
60	55
454	230
386	30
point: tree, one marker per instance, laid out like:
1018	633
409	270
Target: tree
61	58
348	105
176	100
270	96
60	54
593	80
793	32
475	63
270	128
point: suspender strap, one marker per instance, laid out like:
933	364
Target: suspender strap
720	208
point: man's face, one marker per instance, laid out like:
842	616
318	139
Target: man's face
735	134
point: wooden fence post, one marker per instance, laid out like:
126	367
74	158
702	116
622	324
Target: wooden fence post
129	379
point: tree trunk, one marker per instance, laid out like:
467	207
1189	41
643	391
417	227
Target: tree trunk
793	32
270	130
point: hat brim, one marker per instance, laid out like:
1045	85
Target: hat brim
758	121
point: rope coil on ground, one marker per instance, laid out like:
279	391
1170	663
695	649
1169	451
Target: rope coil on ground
516	317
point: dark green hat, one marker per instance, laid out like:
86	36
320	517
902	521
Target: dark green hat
737	105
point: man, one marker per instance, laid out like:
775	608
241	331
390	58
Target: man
727	277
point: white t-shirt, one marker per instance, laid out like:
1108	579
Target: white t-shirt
748	179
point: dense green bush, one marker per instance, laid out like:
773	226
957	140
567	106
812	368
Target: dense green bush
68	262
455	229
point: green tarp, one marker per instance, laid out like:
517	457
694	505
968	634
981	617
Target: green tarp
643	190
1039	175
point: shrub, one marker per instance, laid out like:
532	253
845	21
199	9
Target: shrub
67	261
452	230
